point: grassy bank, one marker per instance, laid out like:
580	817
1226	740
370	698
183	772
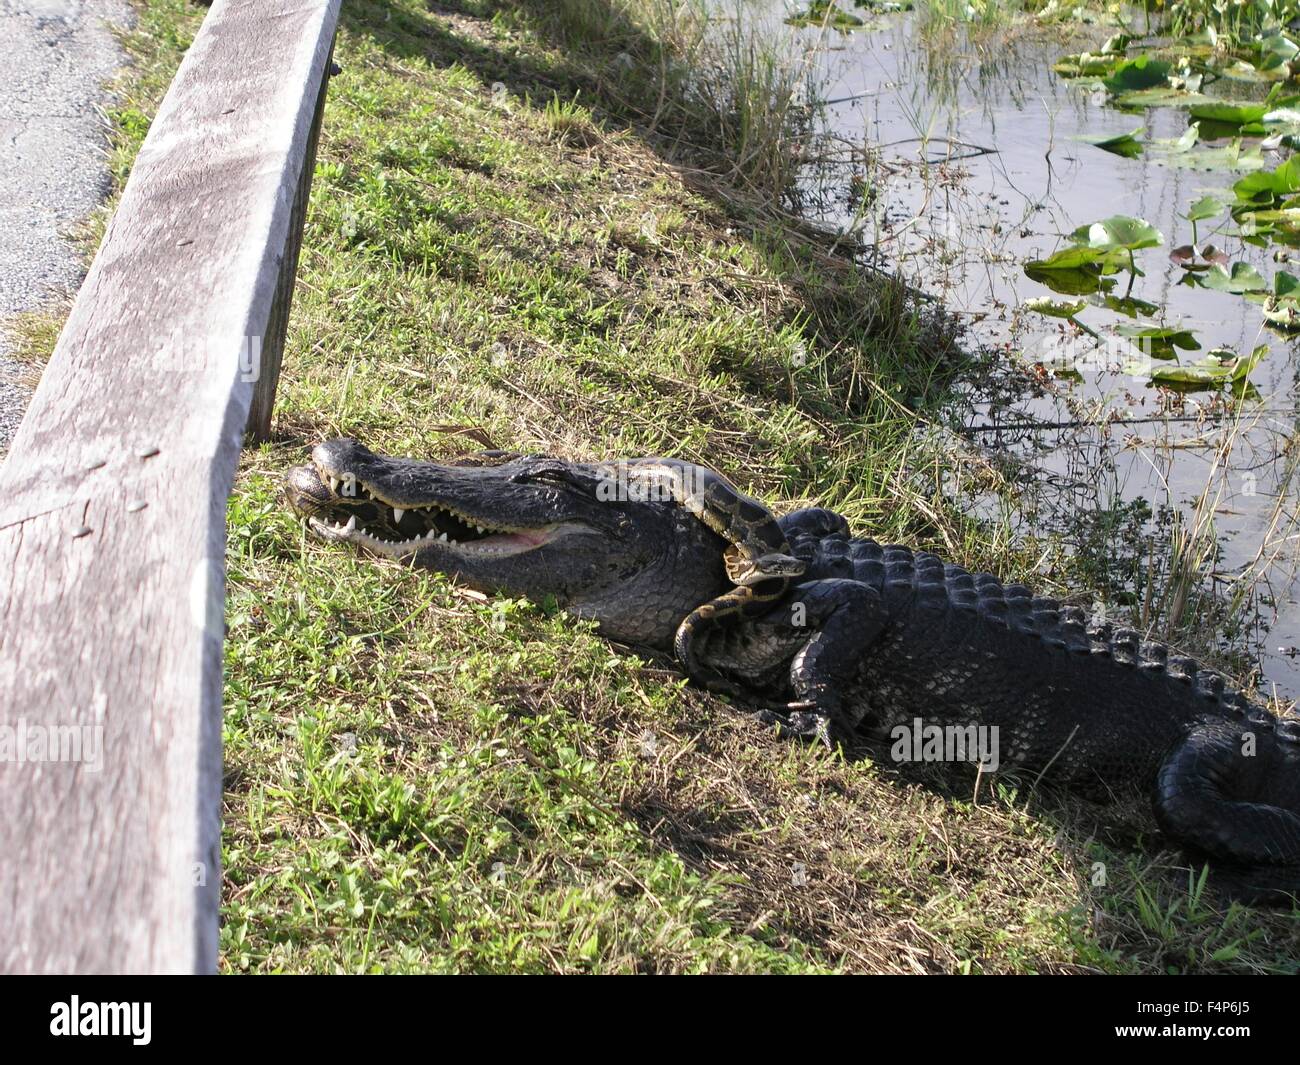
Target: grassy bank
528	228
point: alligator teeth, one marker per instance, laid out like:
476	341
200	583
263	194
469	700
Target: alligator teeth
397	514
334	485
443	538
351	525
479	528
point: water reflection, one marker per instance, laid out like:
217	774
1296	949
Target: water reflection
957	162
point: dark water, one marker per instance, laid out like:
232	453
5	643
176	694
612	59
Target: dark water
959	162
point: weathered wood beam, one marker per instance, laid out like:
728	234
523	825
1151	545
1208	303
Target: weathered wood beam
112	514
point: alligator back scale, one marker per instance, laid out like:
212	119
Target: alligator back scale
758	559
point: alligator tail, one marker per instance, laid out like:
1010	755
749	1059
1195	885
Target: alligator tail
1230	791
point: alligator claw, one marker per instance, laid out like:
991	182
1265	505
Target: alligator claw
814	727
803	725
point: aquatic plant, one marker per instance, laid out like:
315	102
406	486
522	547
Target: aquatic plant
1096	249
828	14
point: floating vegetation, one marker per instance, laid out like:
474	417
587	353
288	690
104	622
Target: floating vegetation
1133	75
1161	342
1235	77
1181	151
1222	366
1119	232
1125	356
1096	249
1268	187
1282	304
1202	210
1130	306
1054	308
1238	280
1193	258
1125	144
826	13
829	13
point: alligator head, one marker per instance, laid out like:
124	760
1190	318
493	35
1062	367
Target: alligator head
516	525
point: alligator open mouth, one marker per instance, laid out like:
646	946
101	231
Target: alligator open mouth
349	508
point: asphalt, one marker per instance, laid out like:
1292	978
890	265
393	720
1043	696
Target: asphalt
57	57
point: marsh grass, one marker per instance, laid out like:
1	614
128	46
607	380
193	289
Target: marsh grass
1231	20
975	14
512	232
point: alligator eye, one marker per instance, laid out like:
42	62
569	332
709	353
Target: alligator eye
553	475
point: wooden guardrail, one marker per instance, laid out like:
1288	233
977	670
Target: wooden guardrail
112	512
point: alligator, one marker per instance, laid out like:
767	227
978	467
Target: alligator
853	640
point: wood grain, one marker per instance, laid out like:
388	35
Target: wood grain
112	513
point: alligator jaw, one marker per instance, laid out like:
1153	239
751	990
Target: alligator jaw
490	543
355	511
518	525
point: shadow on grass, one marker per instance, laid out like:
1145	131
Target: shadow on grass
630	82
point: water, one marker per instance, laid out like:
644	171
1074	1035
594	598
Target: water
960	162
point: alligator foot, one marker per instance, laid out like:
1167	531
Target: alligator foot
802	724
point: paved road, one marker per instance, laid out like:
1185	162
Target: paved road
57	55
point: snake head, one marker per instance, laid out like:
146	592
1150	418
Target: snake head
745	568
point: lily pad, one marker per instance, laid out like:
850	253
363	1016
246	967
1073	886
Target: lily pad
1190	257
1178	145
1222	366
1268	186
825	13
1206	207
1160	96
1286	286
1240	70
1228	158
1235	114
1242	278
1076	281
1086	65
1140	73
1054	308
1282	305
1118	232
1283	316
1103	260
1124	144
1130	305
1160	342
1280	223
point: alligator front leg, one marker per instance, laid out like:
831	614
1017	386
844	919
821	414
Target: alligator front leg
1231	791
843	617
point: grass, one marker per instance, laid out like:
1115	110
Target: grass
519	234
